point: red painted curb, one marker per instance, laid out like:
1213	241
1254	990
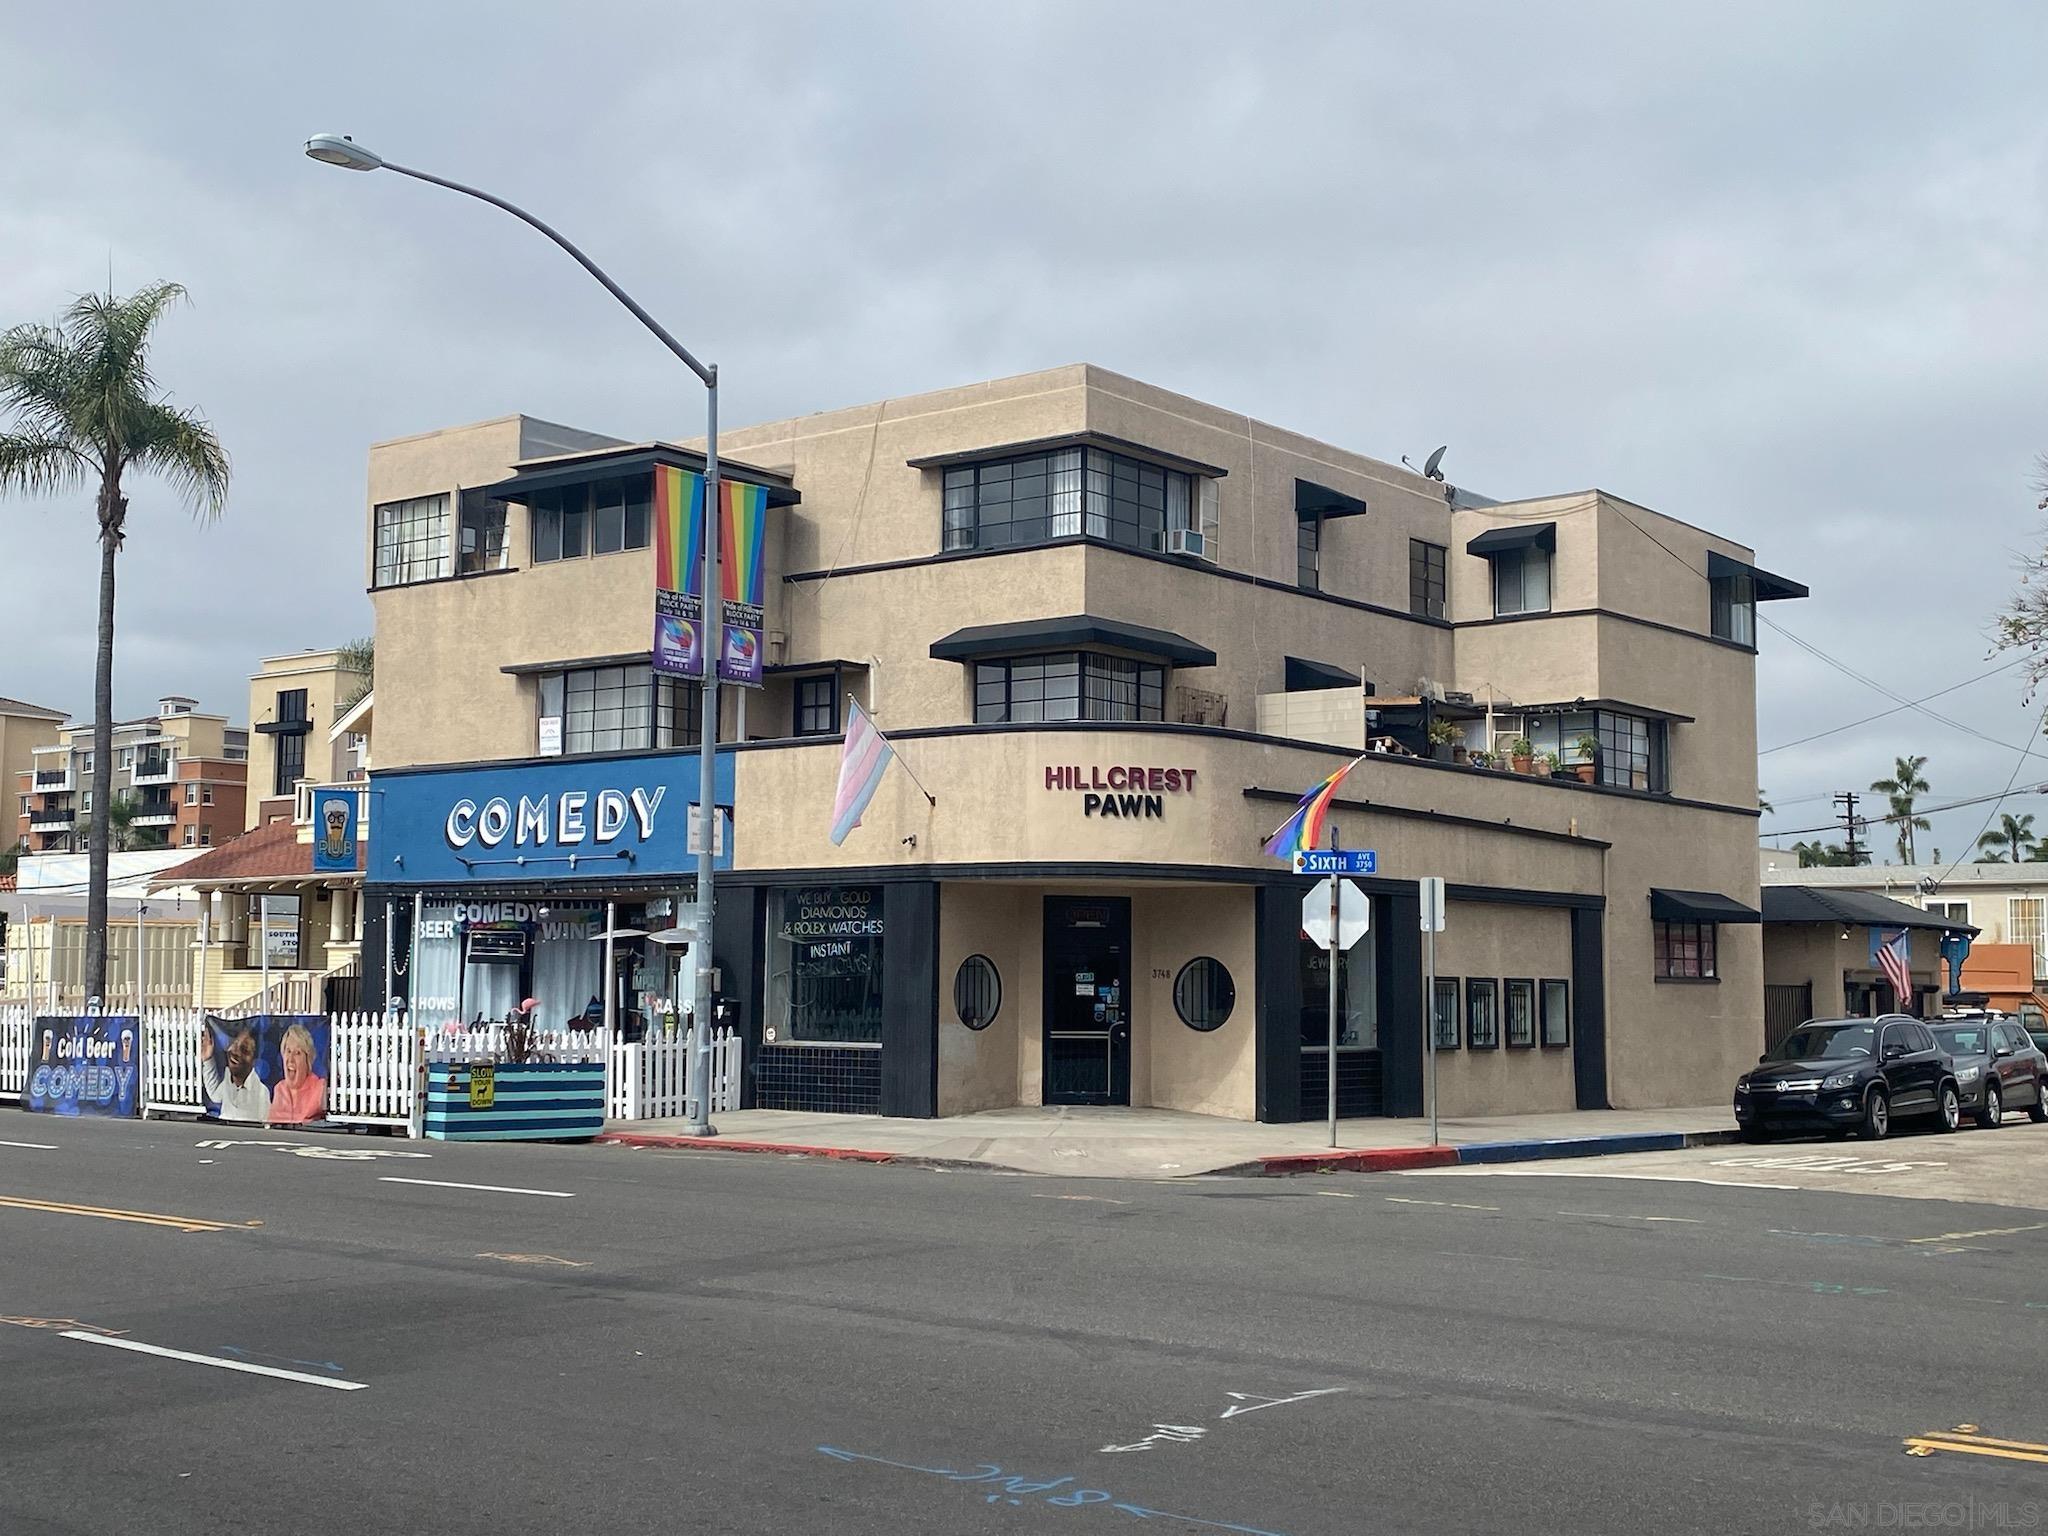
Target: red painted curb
1366	1160
727	1144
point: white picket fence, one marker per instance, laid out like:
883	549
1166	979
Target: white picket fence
376	1065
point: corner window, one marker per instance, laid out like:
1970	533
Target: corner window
1734	608
481	542
412	541
1308	553
825	966
1482	1018
1686	951
816	706
616	709
1067	685
601	518
1426	578
1068	493
1626	751
1521	581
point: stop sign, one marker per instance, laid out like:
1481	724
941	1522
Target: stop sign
1354	914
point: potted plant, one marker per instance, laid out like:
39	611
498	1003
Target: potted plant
1588	748
1444	739
517	1094
1546	765
1479	759
1521	755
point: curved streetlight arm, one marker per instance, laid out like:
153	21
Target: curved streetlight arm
708	374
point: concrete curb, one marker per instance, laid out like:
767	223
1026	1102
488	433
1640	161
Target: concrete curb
1279	1165
728	1144
1404	1159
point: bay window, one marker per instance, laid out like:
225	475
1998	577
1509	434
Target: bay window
1069	493
1067	685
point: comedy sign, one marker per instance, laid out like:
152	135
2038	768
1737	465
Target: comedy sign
84	1066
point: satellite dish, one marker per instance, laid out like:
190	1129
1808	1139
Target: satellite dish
1430	467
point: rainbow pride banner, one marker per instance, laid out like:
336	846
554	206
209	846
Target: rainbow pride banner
742	580
678	571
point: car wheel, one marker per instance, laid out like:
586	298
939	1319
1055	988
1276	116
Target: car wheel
1877	1116
1755	1135
1951	1107
1992	1110
2038	1110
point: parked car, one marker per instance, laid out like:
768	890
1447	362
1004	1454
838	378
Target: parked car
1997	1066
1842	1075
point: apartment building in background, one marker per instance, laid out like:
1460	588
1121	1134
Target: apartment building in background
181	768
1115	633
23	728
294	701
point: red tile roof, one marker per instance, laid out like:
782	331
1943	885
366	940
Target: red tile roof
271	852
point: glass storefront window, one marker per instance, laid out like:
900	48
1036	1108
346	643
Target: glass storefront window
825	965
1358	1022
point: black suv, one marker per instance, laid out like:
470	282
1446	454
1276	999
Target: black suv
1845	1075
1997	1066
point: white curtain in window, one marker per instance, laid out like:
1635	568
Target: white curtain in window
1066	493
1210	495
1098	494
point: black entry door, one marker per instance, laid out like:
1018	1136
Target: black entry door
1087	1000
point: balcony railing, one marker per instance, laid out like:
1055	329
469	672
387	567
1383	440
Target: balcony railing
155	769
52	780
51	818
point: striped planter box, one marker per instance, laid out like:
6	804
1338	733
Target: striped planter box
534	1101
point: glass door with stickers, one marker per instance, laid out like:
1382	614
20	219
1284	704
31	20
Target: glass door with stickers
1087	1000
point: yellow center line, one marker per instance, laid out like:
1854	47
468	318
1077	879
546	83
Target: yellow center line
106	1213
1971	1437
1920	1446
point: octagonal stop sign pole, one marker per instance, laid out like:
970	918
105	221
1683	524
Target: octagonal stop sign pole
1324	919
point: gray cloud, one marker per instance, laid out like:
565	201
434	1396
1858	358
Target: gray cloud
1770	269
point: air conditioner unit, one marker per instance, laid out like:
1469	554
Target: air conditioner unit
1187	541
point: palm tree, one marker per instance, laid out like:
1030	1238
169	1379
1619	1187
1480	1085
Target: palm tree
2013	838
123	836
1819	855
1902	789
86	410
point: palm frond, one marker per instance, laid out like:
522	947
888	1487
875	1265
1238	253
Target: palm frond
35	464
179	445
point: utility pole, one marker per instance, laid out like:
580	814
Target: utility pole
1851	825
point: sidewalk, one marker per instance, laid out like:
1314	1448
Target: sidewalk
1165	1143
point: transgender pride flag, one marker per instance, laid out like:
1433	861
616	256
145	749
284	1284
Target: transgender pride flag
862	762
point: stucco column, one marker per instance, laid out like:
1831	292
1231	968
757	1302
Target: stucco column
337	917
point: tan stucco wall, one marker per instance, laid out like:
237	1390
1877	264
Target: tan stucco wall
1208	1073
326	684
979	1069
19	737
1800	954
1487	939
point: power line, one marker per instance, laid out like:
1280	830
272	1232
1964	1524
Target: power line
1918	810
1895	709
1904	703
2039	721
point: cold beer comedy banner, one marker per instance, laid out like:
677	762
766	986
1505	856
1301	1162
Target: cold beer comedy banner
679	576
85	1066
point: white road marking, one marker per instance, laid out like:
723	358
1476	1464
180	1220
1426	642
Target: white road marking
214	1360
1625	1216
30	1146
494	1189
1952	1237
1449	1205
1567	1173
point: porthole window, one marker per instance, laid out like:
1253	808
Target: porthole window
1204	994
977	992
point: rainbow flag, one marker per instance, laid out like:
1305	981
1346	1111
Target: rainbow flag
678	529
1304	829
741	571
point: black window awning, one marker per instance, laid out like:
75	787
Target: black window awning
1077	631
1321	502
1769	588
581	469
1700	907
1499	541
1305	676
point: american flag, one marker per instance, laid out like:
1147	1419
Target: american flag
1894	958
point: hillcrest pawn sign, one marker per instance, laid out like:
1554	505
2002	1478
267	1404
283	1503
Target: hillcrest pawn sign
1123	790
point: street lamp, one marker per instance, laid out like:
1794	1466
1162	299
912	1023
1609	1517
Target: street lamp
340	150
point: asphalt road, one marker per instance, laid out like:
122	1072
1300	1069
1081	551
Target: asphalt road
701	1342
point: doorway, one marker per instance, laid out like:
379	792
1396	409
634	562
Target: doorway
1087	1000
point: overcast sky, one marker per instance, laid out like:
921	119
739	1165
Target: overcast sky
1776	270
